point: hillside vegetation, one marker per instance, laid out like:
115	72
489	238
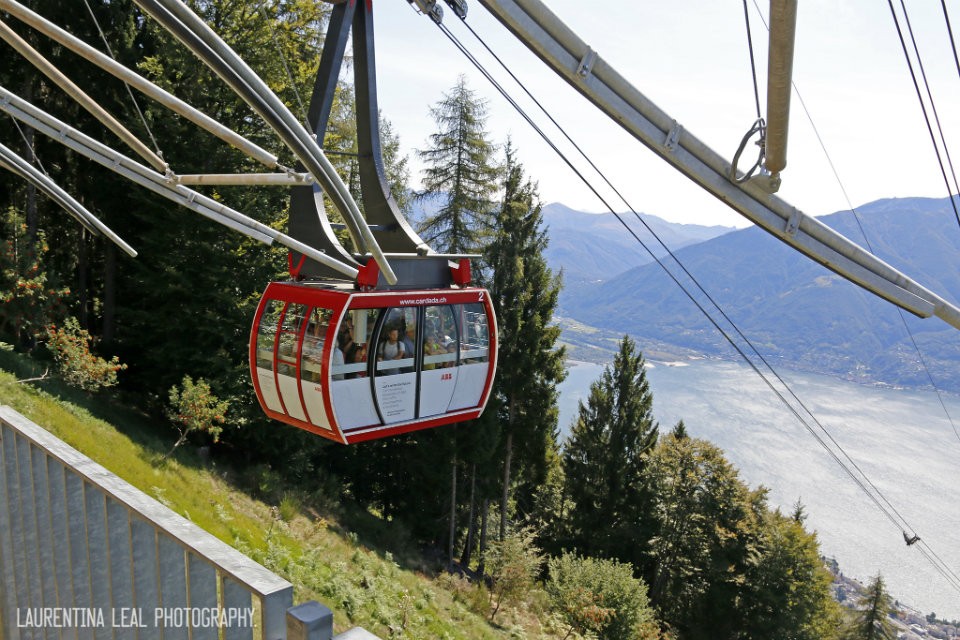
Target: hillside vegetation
359	565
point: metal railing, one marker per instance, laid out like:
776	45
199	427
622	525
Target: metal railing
83	554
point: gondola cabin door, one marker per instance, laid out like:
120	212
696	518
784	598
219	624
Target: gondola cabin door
354	366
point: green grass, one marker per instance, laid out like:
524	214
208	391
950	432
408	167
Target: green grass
311	547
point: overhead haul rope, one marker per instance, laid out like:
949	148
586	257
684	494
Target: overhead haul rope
863	233
286	67
759	125
889	511
953	44
923	107
753	64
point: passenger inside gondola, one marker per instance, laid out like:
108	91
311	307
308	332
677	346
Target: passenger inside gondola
431	347
359	357
391	348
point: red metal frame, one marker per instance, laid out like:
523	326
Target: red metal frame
339	301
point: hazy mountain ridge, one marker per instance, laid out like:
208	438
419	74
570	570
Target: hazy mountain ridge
793	310
595	246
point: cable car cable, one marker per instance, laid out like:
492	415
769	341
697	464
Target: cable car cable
953	44
895	515
753	64
933	105
863	233
286	67
692	298
662	244
923	106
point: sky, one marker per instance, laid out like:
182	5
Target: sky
691	58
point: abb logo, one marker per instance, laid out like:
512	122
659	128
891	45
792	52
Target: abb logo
446	376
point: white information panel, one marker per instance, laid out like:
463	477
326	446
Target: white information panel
396	396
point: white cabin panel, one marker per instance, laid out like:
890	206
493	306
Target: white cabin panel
471	379
353	404
290	392
436	390
268	390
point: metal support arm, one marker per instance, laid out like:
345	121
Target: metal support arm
563	51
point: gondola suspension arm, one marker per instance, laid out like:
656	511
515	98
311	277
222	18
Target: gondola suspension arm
204	43
540	30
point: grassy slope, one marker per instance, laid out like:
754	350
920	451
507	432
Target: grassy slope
309	547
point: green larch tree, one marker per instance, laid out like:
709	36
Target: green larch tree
460	173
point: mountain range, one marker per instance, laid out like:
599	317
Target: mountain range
793	311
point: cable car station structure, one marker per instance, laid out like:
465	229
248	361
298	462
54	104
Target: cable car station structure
385	335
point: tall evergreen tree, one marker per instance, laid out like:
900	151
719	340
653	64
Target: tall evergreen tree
604	461
873	622
460	173
524	294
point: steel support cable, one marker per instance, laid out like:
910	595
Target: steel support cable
28	146
892	513
623	199
863	233
759	125
684	289
753	64
952	578
933	104
953	43
140	83
283	60
186	26
136	105
923	107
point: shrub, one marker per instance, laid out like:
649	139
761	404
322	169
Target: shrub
513	565
194	408
600	597
29	297
76	363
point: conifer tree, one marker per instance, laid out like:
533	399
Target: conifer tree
604	461
875	606
524	294
460	173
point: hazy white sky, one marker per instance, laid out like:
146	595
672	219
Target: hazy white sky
691	58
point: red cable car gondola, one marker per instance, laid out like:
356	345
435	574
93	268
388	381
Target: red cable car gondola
353	366
408	343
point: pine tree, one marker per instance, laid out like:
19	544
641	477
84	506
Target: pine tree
875	606
524	294
604	461
460	172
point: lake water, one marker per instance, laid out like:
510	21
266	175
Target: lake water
901	439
